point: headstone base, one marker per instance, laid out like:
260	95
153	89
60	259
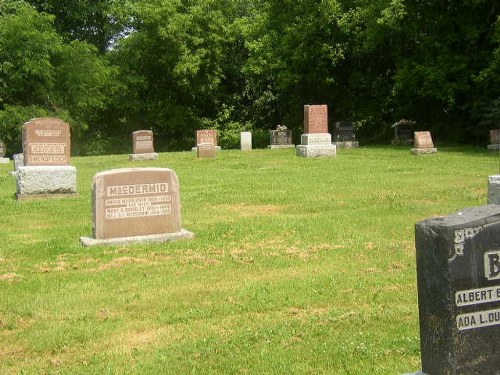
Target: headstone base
182	235
274	147
46	180
494	189
26	197
423	151
347	144
4	160
140	157
399	142
195	148
316	151
494	147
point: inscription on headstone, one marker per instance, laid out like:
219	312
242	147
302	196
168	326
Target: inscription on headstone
46	141
458	274
206	136
315	119
142	142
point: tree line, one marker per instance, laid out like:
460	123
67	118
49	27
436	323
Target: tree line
110	67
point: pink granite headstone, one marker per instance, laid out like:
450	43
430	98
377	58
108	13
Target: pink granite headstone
315	119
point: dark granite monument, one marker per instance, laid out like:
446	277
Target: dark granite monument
403	132
345	134
458	275
281	137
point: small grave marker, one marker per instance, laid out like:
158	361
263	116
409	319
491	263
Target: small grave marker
345	135
246	141
281	138
423	143
494	140
3	150
142	146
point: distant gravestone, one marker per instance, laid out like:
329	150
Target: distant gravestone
345	135
494	189
403	132
206	136
494	140
46	154
136	205
3	160
316	141
281	138
423	143
458	275
46	141
142	146
246	141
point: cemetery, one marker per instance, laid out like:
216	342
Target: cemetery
288	264
249	187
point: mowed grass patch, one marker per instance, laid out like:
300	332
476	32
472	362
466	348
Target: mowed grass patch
298	266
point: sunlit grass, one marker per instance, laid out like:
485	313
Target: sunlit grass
298	266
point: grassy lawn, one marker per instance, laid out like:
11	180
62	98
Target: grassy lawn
299	266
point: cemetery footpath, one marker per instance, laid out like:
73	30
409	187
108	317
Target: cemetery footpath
300	265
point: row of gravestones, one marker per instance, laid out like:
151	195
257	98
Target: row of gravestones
458	257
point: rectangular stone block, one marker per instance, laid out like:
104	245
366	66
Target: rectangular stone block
315	119
458	276
316	139
142	142
316	151
46	141
46	180
131	202
245	141
206	151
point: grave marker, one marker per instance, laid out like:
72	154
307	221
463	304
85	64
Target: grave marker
142	146
458	275
316	141
246	141
136	205
280	138
345	135
494	140
423	143
2	153
206	151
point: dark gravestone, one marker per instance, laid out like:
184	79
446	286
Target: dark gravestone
458	273
344	132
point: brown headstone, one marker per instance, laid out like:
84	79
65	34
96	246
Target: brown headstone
423	140
135	202
206	136
315	119
142	142
495	136
46	141
2	149
206	151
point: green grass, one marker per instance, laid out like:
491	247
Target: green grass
299	266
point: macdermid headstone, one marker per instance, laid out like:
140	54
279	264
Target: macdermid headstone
46	155
458	277
316	141
423	144
143	146
136	205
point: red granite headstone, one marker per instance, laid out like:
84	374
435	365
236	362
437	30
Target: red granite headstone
135	202
315	119
46	141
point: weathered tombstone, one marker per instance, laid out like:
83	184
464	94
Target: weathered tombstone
458	276
403	132
280	138
3	160
316	141
494	140
494	189
46	154
136	205
142	146
245	141
206	137
423	144
205	150
345	135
